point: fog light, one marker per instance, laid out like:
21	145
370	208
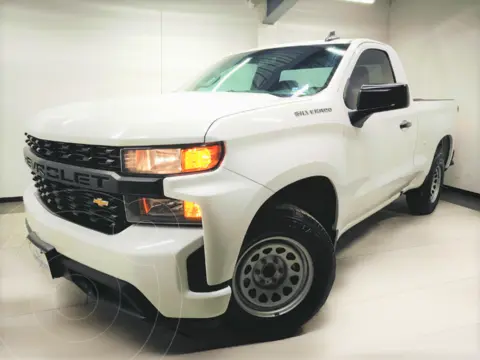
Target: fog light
164	211
192	210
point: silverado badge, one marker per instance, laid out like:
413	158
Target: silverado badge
100	202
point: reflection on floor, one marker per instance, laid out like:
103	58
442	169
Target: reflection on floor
406	287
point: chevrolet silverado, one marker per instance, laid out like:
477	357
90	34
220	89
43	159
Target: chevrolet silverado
226	199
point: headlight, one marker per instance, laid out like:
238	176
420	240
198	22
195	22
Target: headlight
163	161
162	211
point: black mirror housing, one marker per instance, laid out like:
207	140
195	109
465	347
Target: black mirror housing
378	98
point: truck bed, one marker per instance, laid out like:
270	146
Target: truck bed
435	118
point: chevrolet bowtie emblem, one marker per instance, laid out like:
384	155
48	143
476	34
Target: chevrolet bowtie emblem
100	202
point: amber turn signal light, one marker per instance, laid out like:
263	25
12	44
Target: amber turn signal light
201	158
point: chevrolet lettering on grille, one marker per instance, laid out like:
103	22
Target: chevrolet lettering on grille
67	174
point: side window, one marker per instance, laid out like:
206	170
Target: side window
373	68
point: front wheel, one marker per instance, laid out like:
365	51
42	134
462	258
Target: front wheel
284	273
424	200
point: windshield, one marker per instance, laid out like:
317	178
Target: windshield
287	72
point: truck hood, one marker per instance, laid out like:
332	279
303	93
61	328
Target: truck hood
168	119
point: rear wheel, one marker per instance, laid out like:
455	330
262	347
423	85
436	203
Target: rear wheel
424	200
284	273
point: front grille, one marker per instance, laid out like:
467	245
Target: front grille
91	156
77	206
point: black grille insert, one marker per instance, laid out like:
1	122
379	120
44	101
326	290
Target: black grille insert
91	156
78	206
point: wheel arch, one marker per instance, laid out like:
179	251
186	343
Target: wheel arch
314	194
446	144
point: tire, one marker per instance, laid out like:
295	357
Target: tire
424	200
299	234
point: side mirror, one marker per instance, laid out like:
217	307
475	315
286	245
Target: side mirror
378	98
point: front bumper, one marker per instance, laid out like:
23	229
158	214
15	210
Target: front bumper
145	259
95	284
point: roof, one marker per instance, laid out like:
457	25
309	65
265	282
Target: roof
313	42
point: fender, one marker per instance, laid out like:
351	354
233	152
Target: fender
316	169
229	202
301	172
424	158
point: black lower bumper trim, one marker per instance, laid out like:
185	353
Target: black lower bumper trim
103	287
95	284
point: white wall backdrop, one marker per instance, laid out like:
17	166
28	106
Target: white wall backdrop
193	41
438	41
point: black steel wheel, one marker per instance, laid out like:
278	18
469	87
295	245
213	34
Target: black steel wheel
424	200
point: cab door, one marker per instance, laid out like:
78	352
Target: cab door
380	157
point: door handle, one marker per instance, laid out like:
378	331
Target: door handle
405	124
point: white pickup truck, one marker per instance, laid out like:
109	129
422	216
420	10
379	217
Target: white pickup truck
226	199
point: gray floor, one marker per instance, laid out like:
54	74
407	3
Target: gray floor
406	288
11	207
